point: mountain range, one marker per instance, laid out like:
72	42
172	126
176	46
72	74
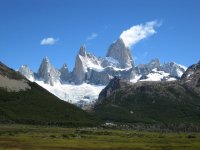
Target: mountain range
91	74
154	94
173	105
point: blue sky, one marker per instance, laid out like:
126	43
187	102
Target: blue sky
96	23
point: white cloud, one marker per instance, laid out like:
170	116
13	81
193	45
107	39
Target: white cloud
91	37
48	41
138	32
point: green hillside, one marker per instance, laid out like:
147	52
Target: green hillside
38	106
151	103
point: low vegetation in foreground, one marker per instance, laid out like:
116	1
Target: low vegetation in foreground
45	137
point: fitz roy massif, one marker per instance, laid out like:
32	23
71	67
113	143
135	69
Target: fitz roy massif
91	74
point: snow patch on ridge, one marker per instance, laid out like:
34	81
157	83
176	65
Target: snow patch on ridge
91	63
156	75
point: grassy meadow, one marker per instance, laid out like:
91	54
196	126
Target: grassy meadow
25	137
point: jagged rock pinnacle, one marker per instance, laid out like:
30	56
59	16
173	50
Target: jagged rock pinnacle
121	53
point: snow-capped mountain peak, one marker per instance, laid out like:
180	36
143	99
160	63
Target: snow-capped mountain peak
48	73
82	51
154	63
174	69
121	53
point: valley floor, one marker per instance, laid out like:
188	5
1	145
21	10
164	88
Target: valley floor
17	137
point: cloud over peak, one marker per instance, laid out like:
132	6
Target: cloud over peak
139	32
48	41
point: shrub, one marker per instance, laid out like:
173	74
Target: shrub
191	136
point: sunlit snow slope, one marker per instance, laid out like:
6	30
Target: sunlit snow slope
81	95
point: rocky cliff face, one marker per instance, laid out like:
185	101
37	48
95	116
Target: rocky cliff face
145	69
85	63
79	70
109	62
64	74
114	84
48	73
173	69
121	53
191	78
